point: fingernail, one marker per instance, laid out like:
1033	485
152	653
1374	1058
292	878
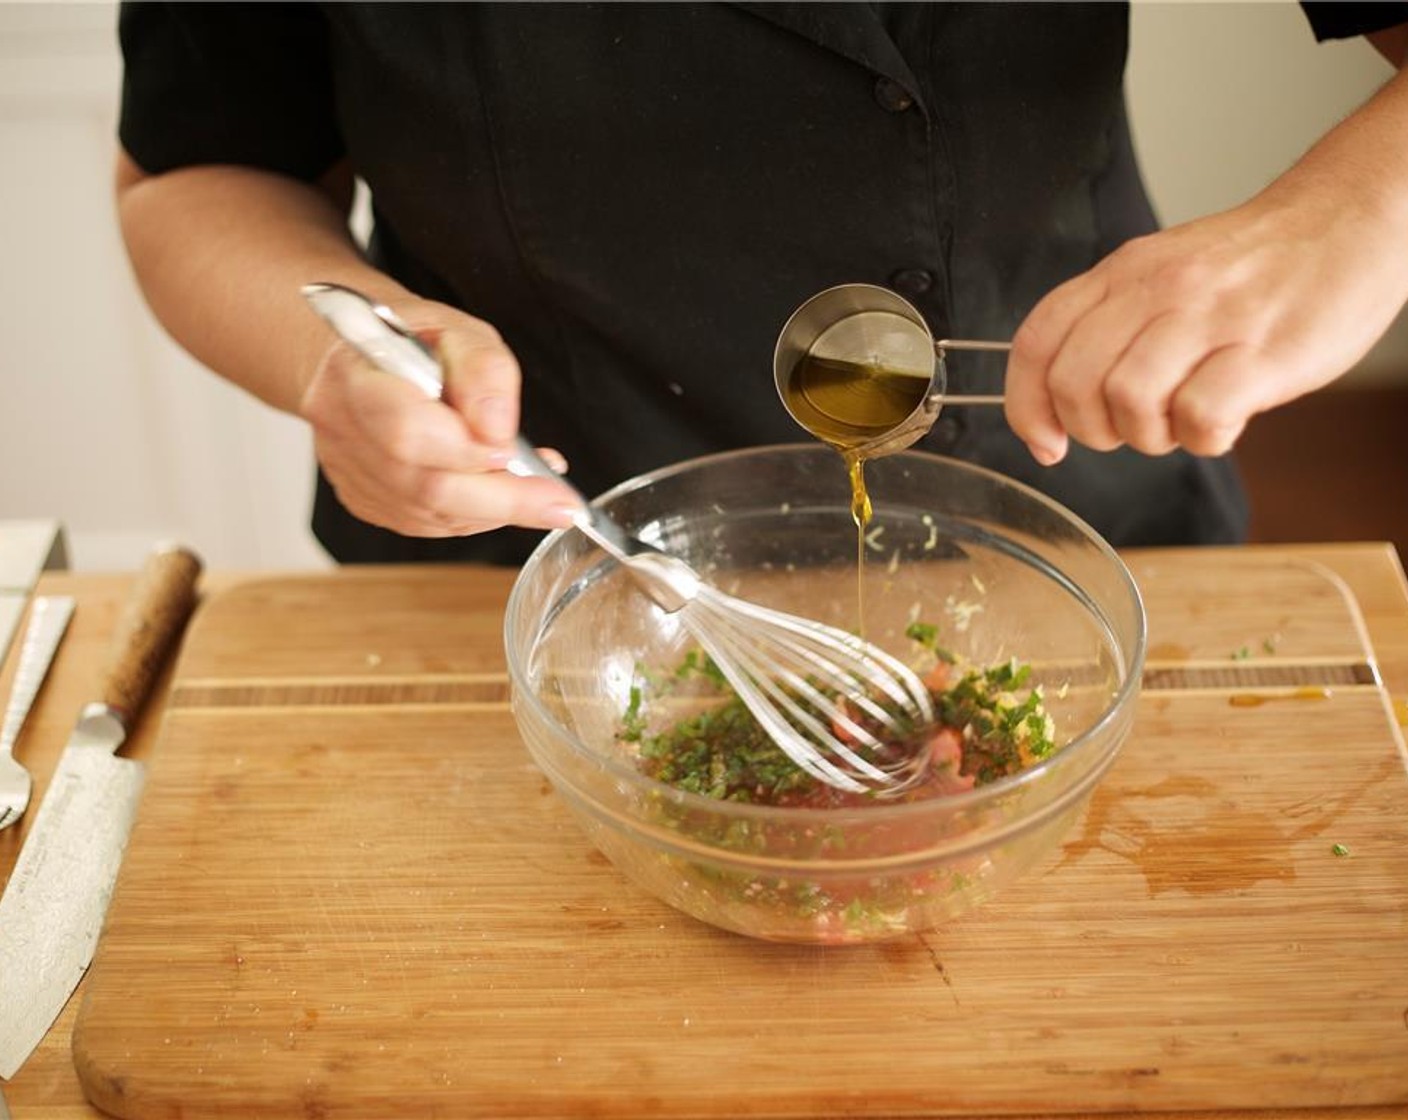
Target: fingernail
1046	456
555	460
495	418
560	517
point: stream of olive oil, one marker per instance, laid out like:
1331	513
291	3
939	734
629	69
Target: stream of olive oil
848	404
861	513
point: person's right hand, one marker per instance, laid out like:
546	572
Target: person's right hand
428	468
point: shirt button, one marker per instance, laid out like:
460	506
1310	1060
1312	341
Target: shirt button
912	281
946	430
892	96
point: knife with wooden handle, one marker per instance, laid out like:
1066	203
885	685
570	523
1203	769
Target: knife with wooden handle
53	907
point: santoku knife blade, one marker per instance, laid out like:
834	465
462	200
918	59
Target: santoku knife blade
52	910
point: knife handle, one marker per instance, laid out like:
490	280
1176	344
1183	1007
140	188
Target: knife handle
152	619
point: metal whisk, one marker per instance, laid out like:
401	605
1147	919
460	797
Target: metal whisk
826	697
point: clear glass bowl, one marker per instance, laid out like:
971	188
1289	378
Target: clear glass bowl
1001	570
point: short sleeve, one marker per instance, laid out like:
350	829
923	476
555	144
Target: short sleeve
228	83
1344	19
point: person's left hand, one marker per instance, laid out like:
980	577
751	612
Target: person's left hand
1179	338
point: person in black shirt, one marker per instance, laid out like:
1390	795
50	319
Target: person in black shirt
602	214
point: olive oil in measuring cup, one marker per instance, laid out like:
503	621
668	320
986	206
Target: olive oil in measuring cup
850	405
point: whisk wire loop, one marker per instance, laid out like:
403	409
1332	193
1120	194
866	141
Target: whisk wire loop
781	670
815	666
836	655
770	706
758	695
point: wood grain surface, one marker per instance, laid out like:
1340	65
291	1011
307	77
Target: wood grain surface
350	893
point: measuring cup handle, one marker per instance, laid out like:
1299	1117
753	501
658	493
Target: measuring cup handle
942	344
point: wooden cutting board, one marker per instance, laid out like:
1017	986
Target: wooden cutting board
351	894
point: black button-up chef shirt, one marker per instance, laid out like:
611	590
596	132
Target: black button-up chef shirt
638	195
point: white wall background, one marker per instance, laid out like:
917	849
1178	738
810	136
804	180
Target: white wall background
107	426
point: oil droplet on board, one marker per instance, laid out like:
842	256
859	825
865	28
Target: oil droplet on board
1256	700
1181	836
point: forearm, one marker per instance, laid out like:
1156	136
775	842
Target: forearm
220	253
1360	167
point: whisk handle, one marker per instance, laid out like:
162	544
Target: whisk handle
668	580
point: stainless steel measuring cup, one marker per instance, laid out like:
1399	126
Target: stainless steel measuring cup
857	367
